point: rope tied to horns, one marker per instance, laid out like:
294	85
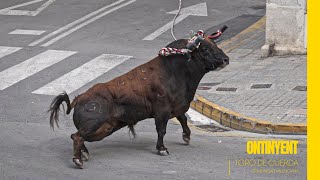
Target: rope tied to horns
193	43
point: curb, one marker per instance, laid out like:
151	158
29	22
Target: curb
236	120
241	122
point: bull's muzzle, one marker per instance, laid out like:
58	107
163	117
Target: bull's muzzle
226	60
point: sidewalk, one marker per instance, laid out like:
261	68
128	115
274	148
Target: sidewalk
265	95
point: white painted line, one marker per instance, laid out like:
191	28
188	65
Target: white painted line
27	32
86	23
31	66
5	50
195	10
42	7
11	11
82	75
74	23
164	28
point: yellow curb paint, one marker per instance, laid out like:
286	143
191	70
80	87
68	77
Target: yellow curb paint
239	121
258	25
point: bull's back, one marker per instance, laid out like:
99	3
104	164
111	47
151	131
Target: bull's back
129	96
138	84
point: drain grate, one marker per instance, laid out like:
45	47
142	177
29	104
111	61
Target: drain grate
203	88
300	88
261	86
212	128
226	89
209	84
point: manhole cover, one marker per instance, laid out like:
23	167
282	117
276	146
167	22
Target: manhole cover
226	89
212	128
260	86
300	88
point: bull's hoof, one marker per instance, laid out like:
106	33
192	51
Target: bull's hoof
163	152
78	162
186	138
84	155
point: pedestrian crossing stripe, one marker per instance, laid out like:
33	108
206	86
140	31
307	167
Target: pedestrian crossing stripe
5	50
31	66
68	82
82	75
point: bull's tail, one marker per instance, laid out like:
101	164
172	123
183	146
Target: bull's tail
54	108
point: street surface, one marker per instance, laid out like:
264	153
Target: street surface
47	46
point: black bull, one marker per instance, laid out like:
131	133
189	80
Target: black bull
162	88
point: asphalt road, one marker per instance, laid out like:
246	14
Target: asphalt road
79	31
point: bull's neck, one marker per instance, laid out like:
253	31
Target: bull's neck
196	73
186	72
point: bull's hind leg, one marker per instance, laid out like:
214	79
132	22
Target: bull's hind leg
186	131
78	144
161	126
80	151
84	151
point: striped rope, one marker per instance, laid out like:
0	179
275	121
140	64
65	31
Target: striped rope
167	51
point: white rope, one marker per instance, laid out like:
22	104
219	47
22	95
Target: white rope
174	20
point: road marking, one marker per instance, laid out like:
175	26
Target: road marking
164	28
5	50
74	23
195	10
27	32
82	75
85	23
10	11
31	66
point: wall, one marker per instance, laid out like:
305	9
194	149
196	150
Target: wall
285	27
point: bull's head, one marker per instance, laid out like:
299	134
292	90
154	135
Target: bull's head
205	49
201	48
212	57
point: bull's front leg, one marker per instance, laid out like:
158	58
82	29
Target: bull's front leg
161	126
186	131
